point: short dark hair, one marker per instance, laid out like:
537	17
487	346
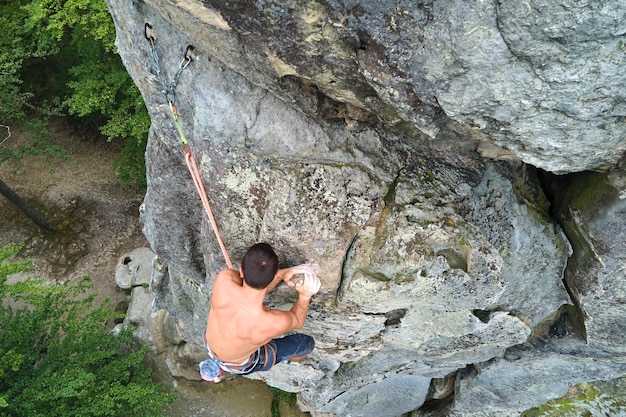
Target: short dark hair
259	265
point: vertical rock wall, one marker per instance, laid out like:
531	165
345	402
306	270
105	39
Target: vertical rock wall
354	134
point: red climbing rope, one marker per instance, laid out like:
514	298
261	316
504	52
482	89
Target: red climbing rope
170	93
197	180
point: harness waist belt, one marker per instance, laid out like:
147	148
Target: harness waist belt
236	368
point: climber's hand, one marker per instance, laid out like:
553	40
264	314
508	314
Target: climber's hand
308	286
290	275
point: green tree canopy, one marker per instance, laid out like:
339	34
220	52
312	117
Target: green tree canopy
56	358
59	57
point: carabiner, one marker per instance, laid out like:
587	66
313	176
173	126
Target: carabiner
188	57
147	32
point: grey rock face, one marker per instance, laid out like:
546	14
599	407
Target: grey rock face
134	268
535	78
354	135
546	374
592	211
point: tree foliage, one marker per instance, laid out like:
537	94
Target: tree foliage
56	358
60	57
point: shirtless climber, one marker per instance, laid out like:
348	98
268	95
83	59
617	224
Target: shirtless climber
242	334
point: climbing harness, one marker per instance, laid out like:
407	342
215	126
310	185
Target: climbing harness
169	91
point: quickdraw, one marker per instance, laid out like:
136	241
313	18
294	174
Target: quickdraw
169	91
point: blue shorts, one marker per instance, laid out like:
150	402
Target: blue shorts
284	348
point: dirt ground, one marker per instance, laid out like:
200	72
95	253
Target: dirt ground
97	218
98	222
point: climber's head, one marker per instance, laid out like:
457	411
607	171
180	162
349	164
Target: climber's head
259	265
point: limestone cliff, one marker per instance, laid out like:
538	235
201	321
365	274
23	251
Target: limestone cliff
404	148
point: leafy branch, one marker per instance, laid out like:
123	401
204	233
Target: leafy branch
56	357
60	58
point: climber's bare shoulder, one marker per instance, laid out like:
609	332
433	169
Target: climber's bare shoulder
227	288
229	275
